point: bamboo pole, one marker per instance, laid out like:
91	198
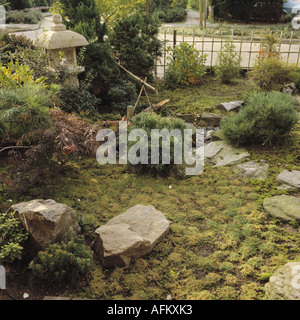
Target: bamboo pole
137	78
201	13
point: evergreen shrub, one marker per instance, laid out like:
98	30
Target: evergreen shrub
265	119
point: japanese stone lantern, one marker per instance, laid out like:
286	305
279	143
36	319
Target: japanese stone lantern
61	44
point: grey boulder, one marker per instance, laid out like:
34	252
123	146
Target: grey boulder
252	169
210	120
289	179
129	235
284	284
46	221
221	153
283	207
230	106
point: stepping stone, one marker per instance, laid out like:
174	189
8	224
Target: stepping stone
221	153
252	169
131	234
283	207
210	119
289	179
230	106
284	284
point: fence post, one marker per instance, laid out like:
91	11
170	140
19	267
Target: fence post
250	51
174	37
212	51
165	52
288	57
241	44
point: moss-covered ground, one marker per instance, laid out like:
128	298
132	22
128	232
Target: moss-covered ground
221	244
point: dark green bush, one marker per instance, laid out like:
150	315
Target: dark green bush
175	14
147	122
63	261
106	67
168	10
122	94
136	45
265	119
18	17
79	99
23	4
258	10
83	17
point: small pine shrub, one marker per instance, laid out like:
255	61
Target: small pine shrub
265	118
147	122
228	64
187	66
12	237
272	73
136	44
24	101
63	261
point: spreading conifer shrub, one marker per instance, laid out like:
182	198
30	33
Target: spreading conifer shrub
147	122
265	119
63	261
272	73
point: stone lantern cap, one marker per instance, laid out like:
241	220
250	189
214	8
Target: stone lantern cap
59	37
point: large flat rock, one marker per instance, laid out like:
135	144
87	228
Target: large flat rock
283	207
230	106
252	169
131	234
221	153
289	179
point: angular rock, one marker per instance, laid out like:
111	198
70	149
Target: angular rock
188	117
252	169
218	135
283	207
221	153
284	284
46	221
291	89
230	106
210	120
131	234
290	179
